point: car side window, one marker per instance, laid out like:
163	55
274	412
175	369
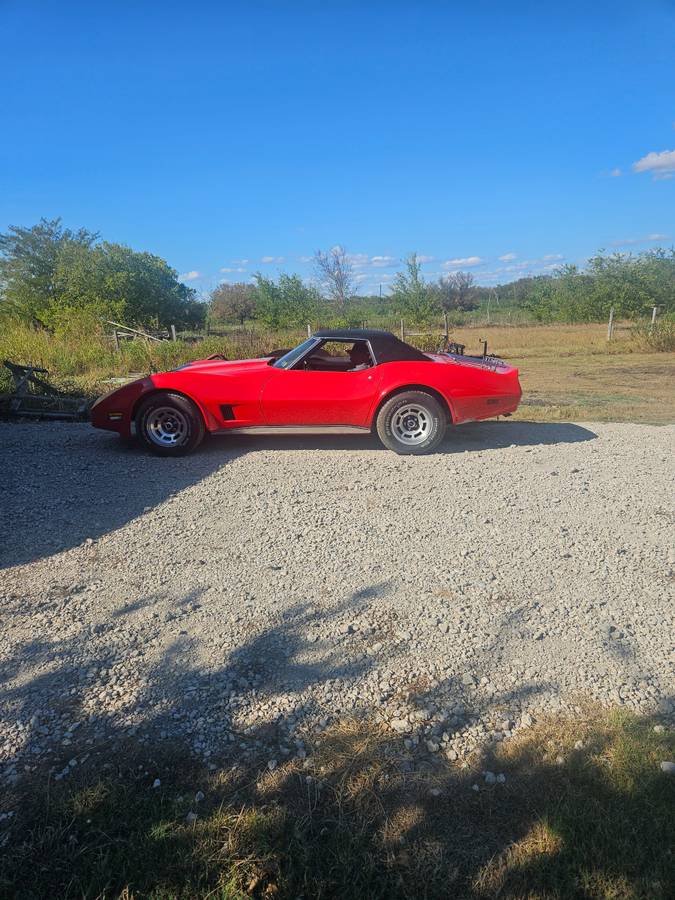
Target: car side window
338	356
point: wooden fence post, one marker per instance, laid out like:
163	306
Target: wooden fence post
309	330
173	332
445	323
654	309
610	324
402	330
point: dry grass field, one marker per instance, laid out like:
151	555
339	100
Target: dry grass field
572	373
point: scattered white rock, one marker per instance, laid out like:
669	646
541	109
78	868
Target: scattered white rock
400	725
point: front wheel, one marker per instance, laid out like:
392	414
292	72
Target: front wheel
412	422
170	424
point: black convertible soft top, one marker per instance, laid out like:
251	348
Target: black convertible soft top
386	346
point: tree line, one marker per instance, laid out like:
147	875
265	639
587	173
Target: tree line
290	301
631	284
51	275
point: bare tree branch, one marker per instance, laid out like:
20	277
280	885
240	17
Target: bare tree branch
336	274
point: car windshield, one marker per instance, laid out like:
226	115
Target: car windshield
289	359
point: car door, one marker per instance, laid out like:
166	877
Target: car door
305	397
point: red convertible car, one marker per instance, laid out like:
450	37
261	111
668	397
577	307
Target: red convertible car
341	381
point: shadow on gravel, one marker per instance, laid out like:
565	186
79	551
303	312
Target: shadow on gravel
464	438
80	484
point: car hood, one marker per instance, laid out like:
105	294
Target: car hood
225	367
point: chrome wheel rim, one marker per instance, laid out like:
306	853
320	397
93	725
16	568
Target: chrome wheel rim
411	424
167	426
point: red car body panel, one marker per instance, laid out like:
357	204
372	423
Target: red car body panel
254	393
297	397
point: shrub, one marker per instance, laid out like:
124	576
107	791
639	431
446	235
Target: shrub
660	336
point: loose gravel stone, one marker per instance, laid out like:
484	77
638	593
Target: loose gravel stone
243	599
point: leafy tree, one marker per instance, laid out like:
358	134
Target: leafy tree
48	272
457	292
336	275
232	302
137	287
411	296
28	263
631	284
287	302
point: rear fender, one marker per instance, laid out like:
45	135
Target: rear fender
424	388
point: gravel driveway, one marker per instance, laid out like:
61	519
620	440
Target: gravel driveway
242	596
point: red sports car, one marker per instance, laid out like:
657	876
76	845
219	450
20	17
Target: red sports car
341	381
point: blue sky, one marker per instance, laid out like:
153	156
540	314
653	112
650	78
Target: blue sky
235	137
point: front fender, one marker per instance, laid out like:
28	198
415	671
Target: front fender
114	411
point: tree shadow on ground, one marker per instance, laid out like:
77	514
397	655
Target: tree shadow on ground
347	810
545	817
81	484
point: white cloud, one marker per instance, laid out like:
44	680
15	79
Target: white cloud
240	262
305	259
628	242
383	262
272	259
227	269
661	165
552	256
507	257
190	276
364	261
615	173
424	259
466	262
358	260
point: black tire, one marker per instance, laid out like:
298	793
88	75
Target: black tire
412	422
169	424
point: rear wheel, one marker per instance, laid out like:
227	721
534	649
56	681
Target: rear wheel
170	424
412	422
